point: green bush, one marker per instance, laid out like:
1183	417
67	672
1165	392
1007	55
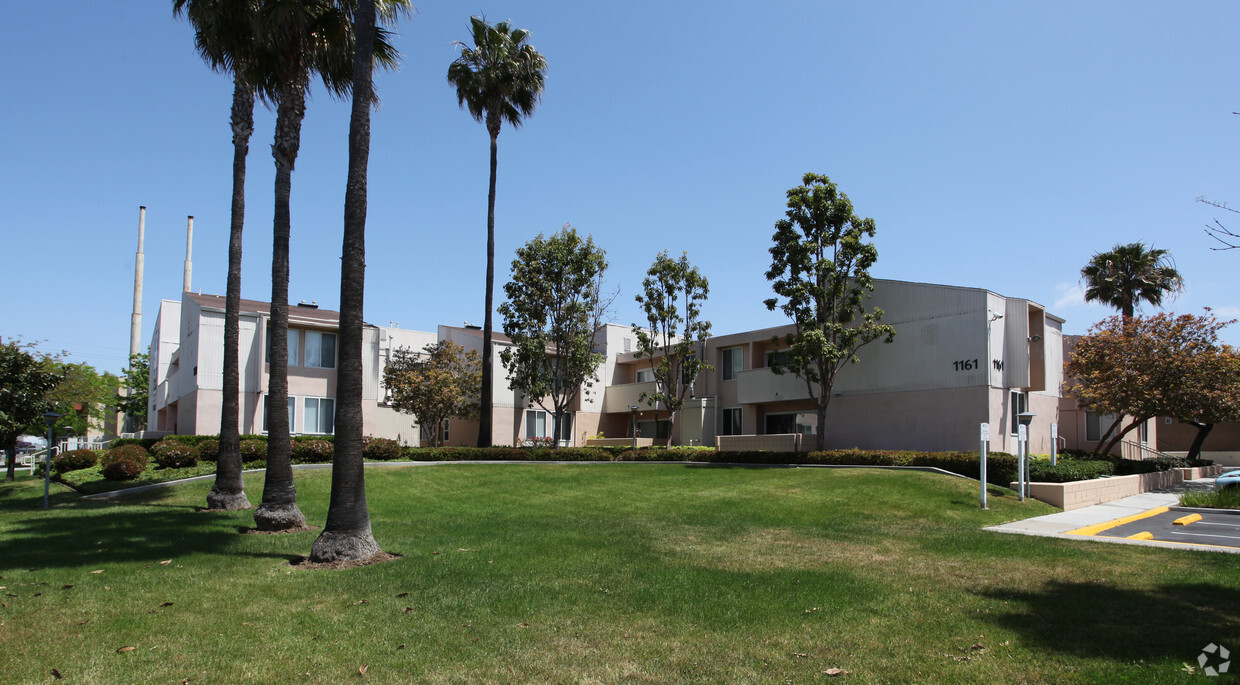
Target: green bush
123	469
1068	470
131	451
209	449
170	453
313	451
253	450
73	460
380	449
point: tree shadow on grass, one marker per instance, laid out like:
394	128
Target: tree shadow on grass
145	528
1089	619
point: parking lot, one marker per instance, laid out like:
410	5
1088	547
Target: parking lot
1180	525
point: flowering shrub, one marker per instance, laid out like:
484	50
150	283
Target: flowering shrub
74	460
174	454
539	442
313	451
253	450
380	449
131	452
123	469
209	450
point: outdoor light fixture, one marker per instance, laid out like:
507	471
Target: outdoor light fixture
50	417
633	408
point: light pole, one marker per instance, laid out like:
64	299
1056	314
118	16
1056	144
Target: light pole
633	408
50	417
1024	418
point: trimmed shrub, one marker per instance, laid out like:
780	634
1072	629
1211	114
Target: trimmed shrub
174	454
209	449
253	450
123	469
1068	470
313	451
380	449
131	451
74	460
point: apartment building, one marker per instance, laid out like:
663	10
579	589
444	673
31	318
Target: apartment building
187	369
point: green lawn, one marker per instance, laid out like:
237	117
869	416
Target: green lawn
601	573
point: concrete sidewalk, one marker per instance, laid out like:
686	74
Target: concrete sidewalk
1058	525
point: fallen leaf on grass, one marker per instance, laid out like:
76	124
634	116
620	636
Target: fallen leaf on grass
402	646
462	549
56	674
166	604
82	623
362	601
122	650
835	671
403	594
165	563
67	587
99	571
800	655
406	610
10	594
361	670
38	594
524	624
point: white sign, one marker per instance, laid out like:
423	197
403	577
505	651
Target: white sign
1054	431
986	432
1023	432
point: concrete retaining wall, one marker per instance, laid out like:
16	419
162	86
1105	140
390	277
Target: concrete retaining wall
785	442
1084	493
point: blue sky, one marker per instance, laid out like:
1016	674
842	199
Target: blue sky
996	145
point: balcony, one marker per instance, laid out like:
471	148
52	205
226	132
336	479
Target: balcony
757	386
618	398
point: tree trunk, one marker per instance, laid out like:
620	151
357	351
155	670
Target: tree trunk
486	398
347	535
820	435
229	490
278	510
10	455
1199	441
1120	436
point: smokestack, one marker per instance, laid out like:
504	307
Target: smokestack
135	325
189	249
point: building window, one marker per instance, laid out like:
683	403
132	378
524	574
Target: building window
645	375
319	416
425	430
659	430
732	424
294	337
292	413
789	422
780	357
320	350
1019	405
539	424
732	363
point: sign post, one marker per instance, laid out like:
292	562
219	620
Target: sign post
985	445
1054	443
1022	459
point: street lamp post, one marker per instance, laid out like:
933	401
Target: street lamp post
633	408
50	417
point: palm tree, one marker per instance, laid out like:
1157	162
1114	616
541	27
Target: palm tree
347	534
499	79
1130	274
303	37
224	36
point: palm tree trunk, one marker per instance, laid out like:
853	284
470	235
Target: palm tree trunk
278	510
229	490
486	398
347	535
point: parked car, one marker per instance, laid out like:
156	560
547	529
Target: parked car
1227	481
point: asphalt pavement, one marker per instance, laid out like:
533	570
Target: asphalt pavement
1148	519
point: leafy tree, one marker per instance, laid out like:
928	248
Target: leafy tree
84	398
1162	365
435	386
136	399
301	37
554	306
225	34
499	79
820	271
26	379
1127	275
672	296
347	533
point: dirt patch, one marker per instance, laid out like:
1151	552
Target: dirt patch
304	562
255	531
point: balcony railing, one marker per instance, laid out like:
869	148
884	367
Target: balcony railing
618	398
756	386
